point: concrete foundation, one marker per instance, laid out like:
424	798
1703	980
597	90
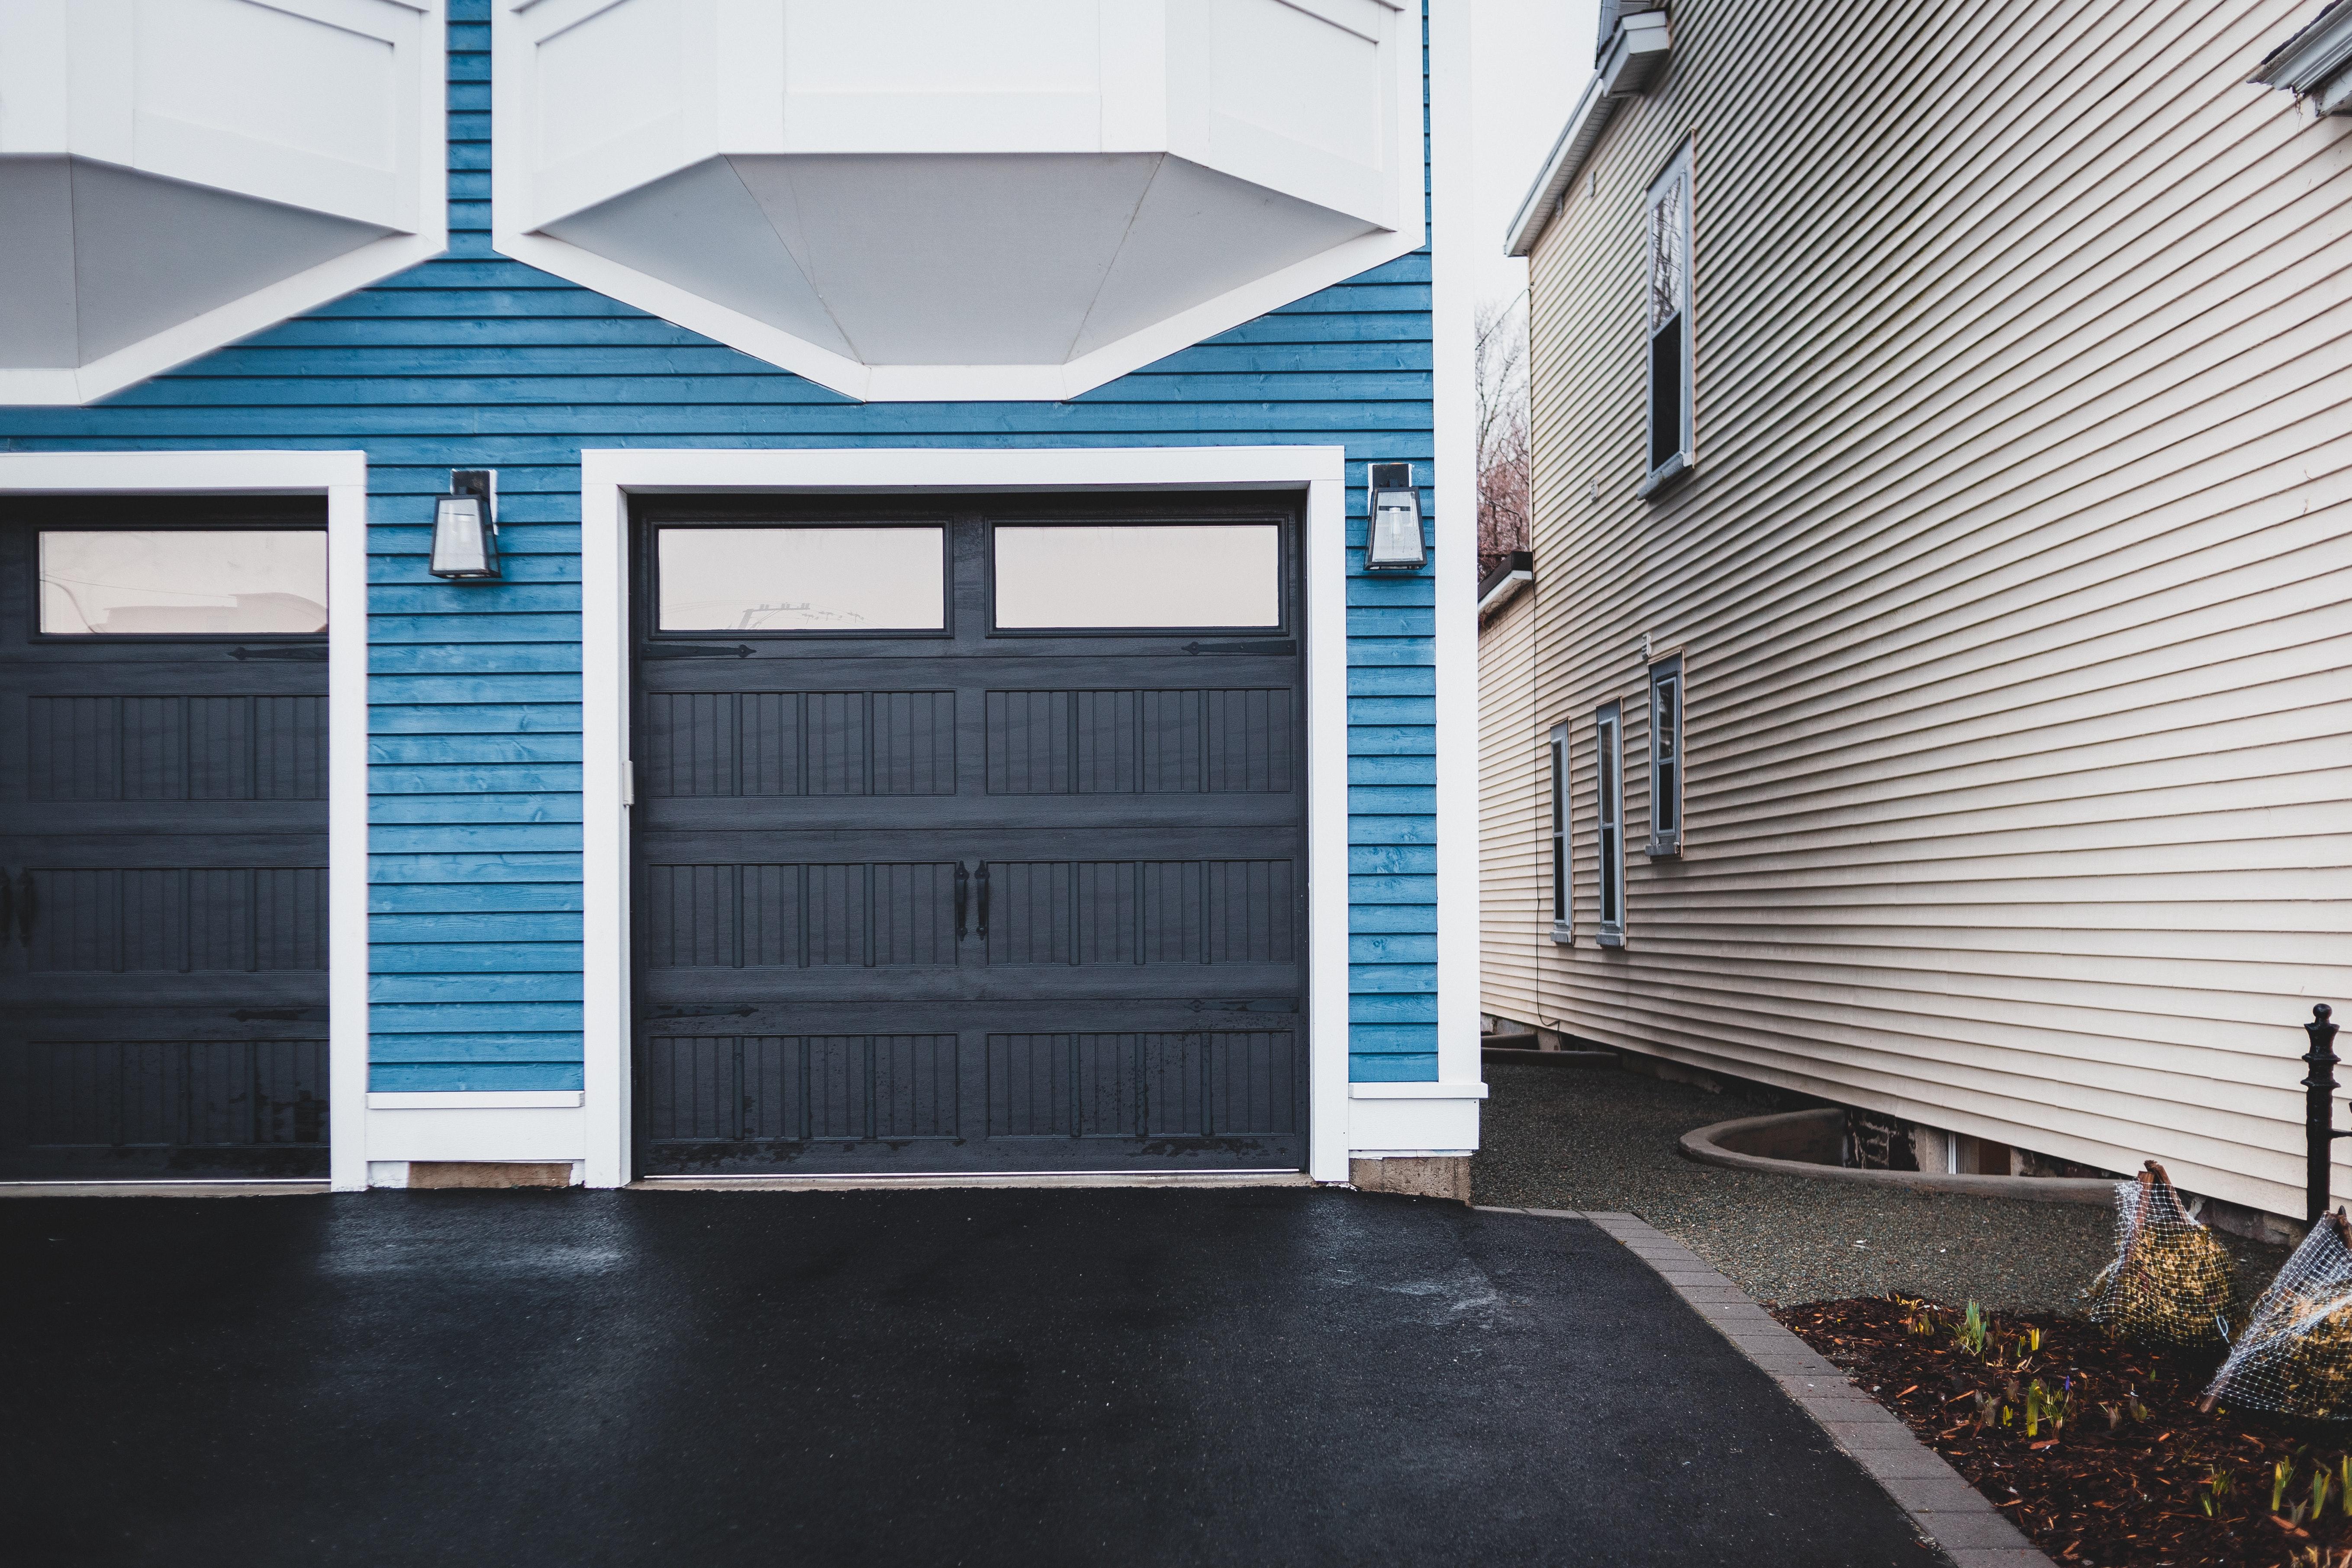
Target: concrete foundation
1417	1176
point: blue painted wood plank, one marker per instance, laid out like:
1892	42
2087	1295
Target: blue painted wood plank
1375	651
1392	1038
444	749
1392	948
471	958
492	623
488	1017
508	778
1378	680
1367	1067
1406	740
1374	860
1375	710
446	808
1391	801
1369	622
390	574
441	867
1383	979
512	1046
1392	770
530	659
392	689
473	988
426	897
1392	831
481	1077
1413	918
525	719
486	837
421	598
500	926
1391	1008
1377	888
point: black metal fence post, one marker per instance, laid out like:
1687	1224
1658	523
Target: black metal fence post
2319	1129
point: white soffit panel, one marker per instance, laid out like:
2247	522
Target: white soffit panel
176	174
924	199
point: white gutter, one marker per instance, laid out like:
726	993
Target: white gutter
2313	63
1636	57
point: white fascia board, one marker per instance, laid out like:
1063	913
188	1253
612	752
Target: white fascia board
289	297
2305	61
341	478
1637	56
1456	1091
609	477
1502	592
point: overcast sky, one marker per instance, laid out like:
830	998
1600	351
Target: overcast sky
1530	58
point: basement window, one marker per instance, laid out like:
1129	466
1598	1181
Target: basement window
1666	757
1556	751
1609	821
1668	229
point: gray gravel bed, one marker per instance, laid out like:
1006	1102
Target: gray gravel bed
1573	1139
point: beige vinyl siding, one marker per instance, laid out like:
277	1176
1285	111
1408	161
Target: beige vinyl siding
1514	816
2012	581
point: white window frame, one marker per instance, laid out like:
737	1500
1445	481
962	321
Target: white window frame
1609	820
1666	221
1563	867
1668	757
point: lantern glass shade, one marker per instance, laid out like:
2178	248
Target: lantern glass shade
1395	544
464	540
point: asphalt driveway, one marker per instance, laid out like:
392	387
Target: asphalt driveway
1130	1377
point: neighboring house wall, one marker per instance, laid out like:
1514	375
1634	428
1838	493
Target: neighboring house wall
2009	582
1513	916
474	361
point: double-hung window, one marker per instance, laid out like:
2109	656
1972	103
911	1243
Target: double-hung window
1609	821
1666	756
1666	228
1563	928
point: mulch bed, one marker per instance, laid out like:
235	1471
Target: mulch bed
2131	1475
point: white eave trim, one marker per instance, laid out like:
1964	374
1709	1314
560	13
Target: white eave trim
1502	591
1637	56
2308	62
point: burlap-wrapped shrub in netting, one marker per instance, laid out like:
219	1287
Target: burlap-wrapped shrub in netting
2295	1356
2171	1281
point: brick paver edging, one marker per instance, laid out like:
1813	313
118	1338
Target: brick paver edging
1944	1507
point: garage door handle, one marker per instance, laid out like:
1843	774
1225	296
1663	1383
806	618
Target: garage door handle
28	904
963	896
983	900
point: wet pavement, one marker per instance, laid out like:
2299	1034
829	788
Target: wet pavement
1124	1377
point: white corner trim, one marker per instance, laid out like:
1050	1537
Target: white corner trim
342	477
1454	305
288	297
489	1100
607	480
1441	1090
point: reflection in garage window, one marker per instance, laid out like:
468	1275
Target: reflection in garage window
245	582
1139	574
802	579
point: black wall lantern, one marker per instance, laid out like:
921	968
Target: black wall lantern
466	526
1393	542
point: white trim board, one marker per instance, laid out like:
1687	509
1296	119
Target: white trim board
607	480
341	478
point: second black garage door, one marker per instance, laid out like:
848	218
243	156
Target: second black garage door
970	837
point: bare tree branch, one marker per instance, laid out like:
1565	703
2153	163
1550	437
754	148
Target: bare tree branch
1500	357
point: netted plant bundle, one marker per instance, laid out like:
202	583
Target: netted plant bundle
2295	1357
2172	1280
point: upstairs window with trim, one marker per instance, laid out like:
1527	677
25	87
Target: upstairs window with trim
1667	230
1609	821
1666	756
1562	927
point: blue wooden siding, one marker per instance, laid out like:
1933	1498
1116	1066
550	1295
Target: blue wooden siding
473	361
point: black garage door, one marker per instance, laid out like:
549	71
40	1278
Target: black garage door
969	838
162	854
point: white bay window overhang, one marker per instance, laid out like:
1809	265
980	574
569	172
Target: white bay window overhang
926	199
176	174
